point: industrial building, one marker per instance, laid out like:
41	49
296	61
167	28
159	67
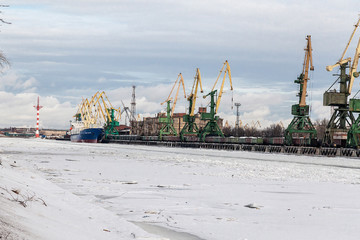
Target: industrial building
150	126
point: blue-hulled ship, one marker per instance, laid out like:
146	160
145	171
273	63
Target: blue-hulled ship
80	133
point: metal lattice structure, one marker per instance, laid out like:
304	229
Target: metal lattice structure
237	124
133	104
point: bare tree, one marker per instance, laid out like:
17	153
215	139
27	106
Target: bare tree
1	19
227	131
3	60
320	125
275	130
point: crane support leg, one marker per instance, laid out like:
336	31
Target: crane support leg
190	127
354	131
302	127
336	130
168	128
211	128
110	128
353	134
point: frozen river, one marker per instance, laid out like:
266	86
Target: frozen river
179	193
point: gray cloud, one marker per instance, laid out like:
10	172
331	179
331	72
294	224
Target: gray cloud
69	49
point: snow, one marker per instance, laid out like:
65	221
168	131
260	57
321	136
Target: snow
109	191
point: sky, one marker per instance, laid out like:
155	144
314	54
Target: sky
64	51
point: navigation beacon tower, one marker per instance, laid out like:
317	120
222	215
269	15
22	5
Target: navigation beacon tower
38	107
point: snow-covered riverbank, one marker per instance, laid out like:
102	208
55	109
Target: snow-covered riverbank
105	191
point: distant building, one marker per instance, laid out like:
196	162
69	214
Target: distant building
52	133
30	132
18	132
150	126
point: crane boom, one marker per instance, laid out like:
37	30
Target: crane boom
354	66
86	113
98	100
104	108
342	60
351	37
179	81
193	95
331	67
227	71
307	63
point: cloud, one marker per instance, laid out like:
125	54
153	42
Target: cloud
319	111
16	82
262	106
71	49
20	111
102	80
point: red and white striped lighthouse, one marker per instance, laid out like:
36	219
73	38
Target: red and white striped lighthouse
38	107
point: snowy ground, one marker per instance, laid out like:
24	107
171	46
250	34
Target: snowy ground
106	191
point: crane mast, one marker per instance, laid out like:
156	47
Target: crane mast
353	74
168	123
301	126
179	81
227	71
193	95
190	127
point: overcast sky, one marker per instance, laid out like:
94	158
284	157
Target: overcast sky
65	50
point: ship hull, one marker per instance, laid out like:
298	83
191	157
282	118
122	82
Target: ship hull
89	135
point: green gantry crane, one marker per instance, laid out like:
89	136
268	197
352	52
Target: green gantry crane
111	123
190	127
168	127
301	125
212	127
337	131
104	110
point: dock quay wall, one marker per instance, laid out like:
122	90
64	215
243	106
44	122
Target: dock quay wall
294	150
